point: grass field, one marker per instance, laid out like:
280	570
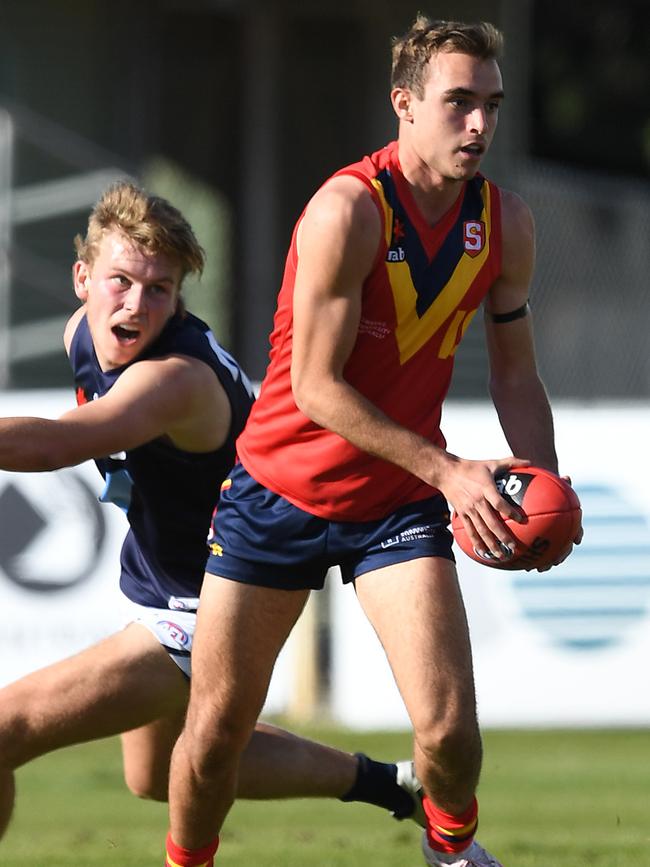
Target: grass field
548	799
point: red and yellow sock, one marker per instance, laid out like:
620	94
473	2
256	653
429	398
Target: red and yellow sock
447	832
177	856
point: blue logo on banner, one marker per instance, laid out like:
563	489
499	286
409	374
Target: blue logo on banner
592	599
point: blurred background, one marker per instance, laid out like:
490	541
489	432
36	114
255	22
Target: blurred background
237	110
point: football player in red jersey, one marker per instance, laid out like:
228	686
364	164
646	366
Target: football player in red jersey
342	459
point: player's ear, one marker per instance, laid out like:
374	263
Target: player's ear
80	279
401	97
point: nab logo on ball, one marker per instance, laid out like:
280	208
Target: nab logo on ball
552	512
513	486
52	530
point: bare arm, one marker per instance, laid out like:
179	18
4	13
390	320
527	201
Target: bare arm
338	242
515	386
517	390
177	397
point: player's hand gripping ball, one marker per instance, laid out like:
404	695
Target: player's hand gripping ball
553	516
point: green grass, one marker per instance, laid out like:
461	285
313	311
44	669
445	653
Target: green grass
571	799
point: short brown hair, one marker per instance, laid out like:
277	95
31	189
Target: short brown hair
413	50
149	221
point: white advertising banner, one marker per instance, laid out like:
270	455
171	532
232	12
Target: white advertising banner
567	647
59	554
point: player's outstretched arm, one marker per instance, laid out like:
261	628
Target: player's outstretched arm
167	397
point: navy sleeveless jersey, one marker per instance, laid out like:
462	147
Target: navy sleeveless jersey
168	494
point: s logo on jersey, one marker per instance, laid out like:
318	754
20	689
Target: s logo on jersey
473	236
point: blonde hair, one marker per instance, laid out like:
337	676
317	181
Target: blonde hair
413	50
148	221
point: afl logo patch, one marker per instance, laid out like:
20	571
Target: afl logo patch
174	631
473	236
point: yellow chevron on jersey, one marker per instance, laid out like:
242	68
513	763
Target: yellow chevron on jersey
388	211
455	332
413	329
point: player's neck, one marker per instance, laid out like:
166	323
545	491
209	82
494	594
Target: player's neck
433	203
433	193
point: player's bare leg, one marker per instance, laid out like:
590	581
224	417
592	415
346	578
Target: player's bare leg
93	695
291	765
7	798
240	631
275	763
278	764
433	670
146	753
88	696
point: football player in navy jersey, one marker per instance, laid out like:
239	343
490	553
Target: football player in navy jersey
160	405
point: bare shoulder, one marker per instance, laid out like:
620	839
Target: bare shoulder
183	377
185	394
517	223
175	397
339	235
343	204
512	288
344	192
71	327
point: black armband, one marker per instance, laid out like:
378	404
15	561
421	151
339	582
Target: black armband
519	313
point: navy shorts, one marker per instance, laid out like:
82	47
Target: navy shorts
258	537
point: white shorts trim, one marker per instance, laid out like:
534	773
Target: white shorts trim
173	628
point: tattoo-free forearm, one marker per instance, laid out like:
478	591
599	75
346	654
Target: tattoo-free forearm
527	421
339	407
28	444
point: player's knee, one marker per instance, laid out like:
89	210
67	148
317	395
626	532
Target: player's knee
148	793
146	787
451	740
210	740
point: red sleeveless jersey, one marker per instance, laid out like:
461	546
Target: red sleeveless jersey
424	289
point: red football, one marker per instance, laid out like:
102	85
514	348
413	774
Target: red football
553	514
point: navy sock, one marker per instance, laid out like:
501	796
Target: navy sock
376	783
